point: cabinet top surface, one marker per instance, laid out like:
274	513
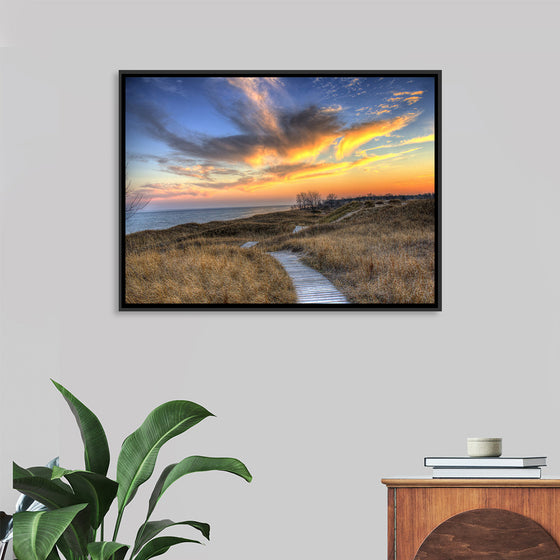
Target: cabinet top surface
470	482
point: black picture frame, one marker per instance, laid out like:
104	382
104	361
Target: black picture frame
436	75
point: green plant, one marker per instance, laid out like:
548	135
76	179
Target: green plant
73	525
24	503
5	532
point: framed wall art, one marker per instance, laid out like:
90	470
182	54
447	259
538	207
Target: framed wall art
280	190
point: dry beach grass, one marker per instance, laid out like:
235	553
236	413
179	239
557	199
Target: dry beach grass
381	253
205	273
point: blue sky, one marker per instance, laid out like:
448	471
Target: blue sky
227	141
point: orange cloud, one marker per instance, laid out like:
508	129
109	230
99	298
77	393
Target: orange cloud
256	91
408	93
341	167
164	191
307	151
419	140
411	100
382	109
413	97
323	177
281	176
312	150
197	171
360	134
261	156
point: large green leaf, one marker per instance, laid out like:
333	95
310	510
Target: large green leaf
36	533
25	503
51	493
55	494
160	545
173	472
106	549
45	473
149	530
95	489
96	448
140	449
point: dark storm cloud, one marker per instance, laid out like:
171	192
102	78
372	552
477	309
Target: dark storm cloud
293	131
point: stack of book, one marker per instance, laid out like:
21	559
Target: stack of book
485	467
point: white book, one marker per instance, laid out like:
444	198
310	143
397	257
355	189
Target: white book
487	473
467	462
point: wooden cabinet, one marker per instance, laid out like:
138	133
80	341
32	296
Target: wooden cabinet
506	519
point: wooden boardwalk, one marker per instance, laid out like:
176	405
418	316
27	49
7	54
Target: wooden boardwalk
311	286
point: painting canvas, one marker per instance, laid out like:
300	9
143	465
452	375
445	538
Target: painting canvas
275	190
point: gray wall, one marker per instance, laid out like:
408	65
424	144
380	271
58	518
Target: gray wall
320	406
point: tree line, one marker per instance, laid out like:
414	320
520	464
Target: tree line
312	200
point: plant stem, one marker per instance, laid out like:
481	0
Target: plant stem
117	524
102	528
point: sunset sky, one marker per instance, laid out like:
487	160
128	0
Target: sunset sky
202	142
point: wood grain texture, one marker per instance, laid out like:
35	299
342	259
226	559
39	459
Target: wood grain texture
484	534
391	524
311	286
420	510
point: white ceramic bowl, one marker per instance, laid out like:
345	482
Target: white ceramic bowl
484	447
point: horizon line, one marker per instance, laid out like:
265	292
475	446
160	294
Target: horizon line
386	195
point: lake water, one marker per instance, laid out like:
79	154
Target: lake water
168	218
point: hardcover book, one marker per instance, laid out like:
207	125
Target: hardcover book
468	462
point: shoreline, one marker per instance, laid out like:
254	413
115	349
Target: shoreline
259	211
